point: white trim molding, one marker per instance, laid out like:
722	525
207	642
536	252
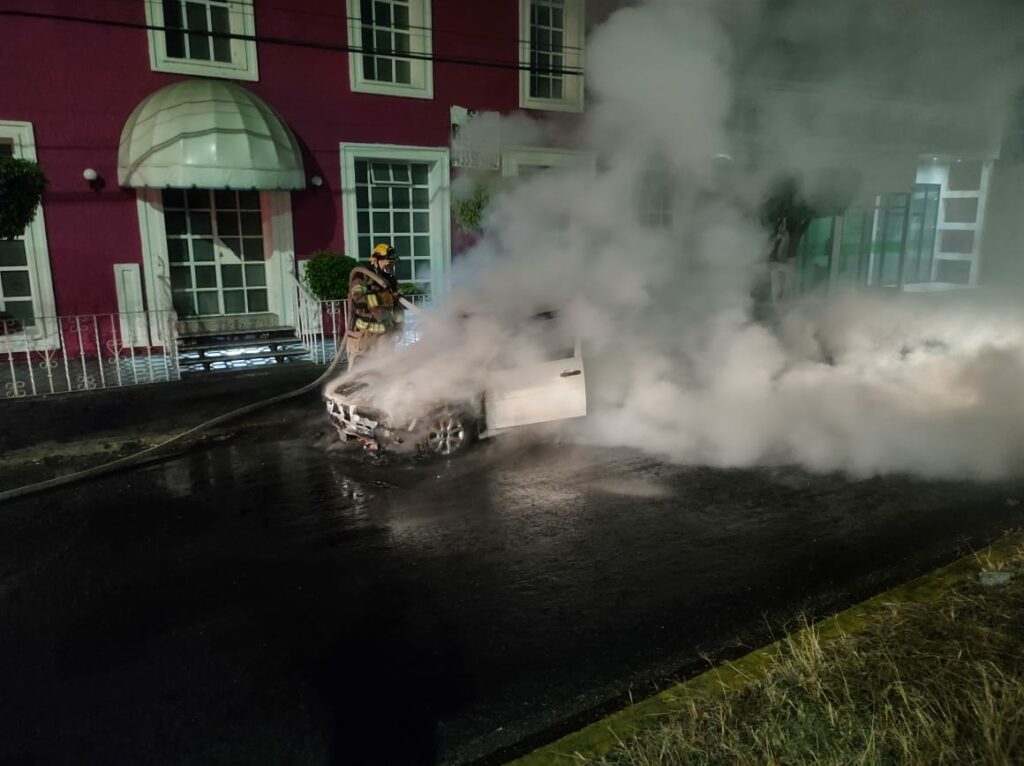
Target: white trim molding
562	49
37	250
440	201
243	64
514	160
413	33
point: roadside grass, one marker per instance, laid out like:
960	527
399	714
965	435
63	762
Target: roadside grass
934	682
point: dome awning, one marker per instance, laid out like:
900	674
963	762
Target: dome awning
209	134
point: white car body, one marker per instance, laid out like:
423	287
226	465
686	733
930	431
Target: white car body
542	392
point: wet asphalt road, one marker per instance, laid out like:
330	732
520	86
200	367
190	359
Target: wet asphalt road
271	602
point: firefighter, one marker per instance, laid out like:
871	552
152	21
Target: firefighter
377	313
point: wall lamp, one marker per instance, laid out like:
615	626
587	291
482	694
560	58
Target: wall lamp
94	179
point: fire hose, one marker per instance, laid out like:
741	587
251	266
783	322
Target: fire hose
151	453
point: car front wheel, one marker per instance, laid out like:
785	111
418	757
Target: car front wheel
448	432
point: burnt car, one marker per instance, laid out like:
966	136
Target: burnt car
511	392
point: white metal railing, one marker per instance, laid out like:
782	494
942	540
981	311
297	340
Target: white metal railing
83	352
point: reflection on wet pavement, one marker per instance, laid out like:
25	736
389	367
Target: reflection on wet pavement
275	601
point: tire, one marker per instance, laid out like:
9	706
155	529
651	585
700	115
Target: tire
448	432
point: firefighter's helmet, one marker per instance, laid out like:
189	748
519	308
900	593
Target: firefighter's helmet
383	259
384	252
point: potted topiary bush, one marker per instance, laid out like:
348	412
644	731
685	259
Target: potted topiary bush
327	274
22	184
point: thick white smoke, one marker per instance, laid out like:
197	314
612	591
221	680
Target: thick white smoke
676	363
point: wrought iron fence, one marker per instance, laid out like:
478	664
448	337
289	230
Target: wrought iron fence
59	354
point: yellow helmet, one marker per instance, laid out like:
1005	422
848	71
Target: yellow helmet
385	252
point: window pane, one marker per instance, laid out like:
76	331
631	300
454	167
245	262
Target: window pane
185	304
174	223
421	247
364	248
420	199
249	200
234	301
379	196
200	223
401	223
404	270
419	174
225	199
382	41
421	222
202	249
363	221
227	224
361	171
251	223
12	253
401	14
369	67
252	248
206	276
403	246
381	223
382	14
173	198
181	277
177	250
221	25
198	41
362	197
209	303
198	199
231	276
257	300
422	270
255	274
15	284
234	245
384	70
400	198
174	39
957	241
21	311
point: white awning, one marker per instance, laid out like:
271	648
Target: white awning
208	134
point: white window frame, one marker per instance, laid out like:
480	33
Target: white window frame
45	334
420	43
440	202
243	64
278	247
573	58
513	159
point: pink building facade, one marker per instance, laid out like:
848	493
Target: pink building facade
231	139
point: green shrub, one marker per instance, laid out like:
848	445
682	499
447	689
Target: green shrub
469	213
22	184
327	274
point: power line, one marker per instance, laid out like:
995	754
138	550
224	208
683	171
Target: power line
287	42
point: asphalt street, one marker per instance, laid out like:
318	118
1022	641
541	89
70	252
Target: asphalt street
271	601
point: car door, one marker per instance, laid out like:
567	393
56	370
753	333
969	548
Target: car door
554	389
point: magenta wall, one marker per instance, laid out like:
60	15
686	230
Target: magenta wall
76	83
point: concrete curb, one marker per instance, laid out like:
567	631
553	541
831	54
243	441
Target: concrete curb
599	738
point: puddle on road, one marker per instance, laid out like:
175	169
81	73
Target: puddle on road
642	488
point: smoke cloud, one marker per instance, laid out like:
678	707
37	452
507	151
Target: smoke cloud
701	106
